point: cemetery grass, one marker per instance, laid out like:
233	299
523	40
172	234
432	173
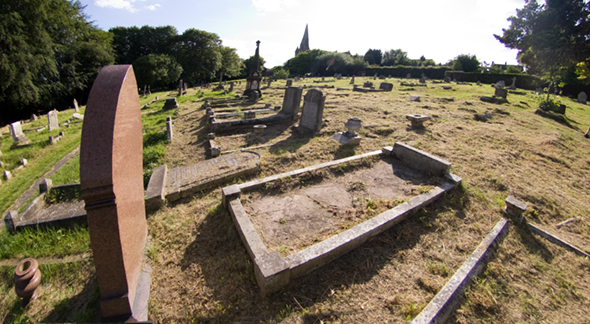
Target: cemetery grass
41	156
202	272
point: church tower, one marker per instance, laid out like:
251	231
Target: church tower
304	43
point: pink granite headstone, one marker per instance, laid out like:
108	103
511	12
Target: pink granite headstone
111	179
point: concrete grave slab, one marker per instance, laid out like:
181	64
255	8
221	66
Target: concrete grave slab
184	181
272	271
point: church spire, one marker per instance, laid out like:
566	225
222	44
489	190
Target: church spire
304	42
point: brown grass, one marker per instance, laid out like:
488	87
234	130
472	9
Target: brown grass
202	272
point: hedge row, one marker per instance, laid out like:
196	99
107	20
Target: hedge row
523	81
402	71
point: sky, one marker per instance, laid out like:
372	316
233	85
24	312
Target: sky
438	29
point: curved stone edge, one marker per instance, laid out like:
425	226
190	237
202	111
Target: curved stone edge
447	299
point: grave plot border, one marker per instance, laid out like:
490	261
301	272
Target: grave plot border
273	271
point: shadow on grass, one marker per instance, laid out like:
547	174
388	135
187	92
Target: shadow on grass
228	273
562	119
533	244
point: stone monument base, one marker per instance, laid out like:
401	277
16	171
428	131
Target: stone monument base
344	138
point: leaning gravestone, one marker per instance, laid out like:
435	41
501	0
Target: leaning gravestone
111	182
18	136
386	86
76	108
52	123
313	112
582	97
292	101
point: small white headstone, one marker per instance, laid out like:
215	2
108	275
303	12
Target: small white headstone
52	120
76	108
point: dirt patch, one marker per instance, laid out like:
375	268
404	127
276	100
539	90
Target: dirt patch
310	211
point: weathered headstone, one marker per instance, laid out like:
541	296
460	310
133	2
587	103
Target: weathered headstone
500	84
352	80
313	112
582	97
367	84
52	123
254	96
180	88
231	86
503	93
292	101
76	108
18	136
169	128
170	103
111	182
386	86
289	83
33	117
447	79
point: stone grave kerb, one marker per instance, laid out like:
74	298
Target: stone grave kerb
111	181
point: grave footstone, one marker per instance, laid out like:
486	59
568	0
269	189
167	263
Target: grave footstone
292	101
312	112
52	123
582	97
111	183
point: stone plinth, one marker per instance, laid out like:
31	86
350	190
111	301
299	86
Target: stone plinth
111	182
417	120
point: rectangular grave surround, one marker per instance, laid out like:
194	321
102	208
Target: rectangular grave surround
272	271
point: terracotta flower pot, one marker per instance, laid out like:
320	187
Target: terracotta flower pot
27	278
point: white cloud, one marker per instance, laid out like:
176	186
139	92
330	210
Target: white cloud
153	7
263	6
117	4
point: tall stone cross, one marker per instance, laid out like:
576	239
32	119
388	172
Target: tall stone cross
111	181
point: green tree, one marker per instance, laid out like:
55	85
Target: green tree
49	52
279	72
198	52
466	63
156	70
304	62
395	57
551	39
231	63
247	65
131	43
374	56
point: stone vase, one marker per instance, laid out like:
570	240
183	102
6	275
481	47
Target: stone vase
27	278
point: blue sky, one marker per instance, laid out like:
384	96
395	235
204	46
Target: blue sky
438	29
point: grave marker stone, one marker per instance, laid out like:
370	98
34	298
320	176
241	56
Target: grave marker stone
18	136
313	111
169	128
170	103
409	76
386	86
111	183
501	93
180	88
352	80
52	123
292	101
582	97
289	83
76	108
